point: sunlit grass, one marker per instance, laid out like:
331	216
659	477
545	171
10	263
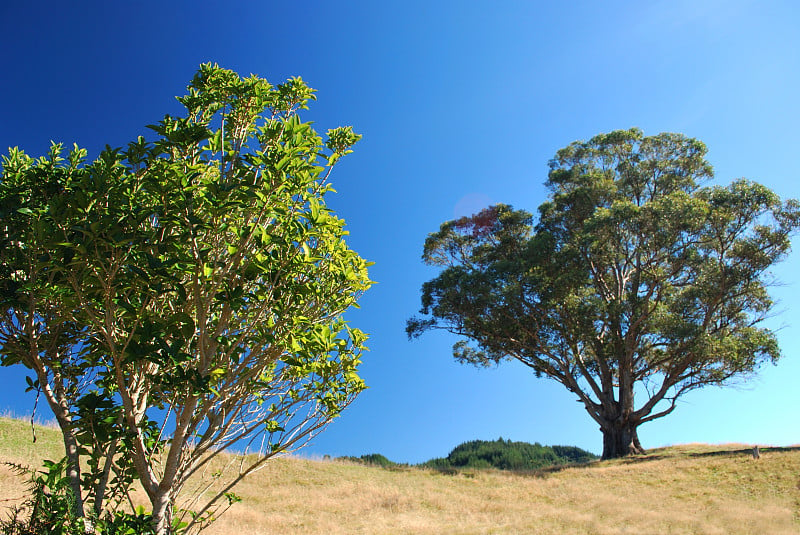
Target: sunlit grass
693	488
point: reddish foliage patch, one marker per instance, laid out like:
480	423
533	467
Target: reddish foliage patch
479	224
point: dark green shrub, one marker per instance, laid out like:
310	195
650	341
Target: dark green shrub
507	455
372	459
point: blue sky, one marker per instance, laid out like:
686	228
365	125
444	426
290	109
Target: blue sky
461	104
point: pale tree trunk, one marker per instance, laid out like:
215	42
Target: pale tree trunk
102	485
58	401
60	409
160	490
162	513
73	469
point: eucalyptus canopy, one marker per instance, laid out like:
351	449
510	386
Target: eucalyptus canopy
635	280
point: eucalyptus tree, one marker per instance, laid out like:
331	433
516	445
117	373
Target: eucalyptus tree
635	282
210	279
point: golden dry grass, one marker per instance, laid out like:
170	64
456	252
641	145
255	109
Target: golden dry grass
685	489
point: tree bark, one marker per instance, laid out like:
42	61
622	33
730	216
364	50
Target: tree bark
73	471
102	484
620	439
60	409
162	513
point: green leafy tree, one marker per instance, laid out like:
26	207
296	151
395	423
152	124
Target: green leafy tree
207	280
635	281
38	328
32	332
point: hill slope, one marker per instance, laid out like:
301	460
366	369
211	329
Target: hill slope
684	489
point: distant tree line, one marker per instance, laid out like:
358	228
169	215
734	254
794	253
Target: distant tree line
509	455
372	459
500	454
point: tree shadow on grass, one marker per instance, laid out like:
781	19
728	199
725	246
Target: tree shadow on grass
745	451
655	455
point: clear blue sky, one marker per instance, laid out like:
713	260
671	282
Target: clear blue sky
461	104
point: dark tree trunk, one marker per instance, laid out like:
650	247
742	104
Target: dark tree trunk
620	440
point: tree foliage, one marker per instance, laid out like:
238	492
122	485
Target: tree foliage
634	280
509	455
189	289
500	454
370	459
40	330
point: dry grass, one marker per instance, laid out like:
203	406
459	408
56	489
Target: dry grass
684	489
17	446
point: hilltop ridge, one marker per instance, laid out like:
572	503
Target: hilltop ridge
693	488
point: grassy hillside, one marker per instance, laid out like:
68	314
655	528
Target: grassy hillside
683	489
